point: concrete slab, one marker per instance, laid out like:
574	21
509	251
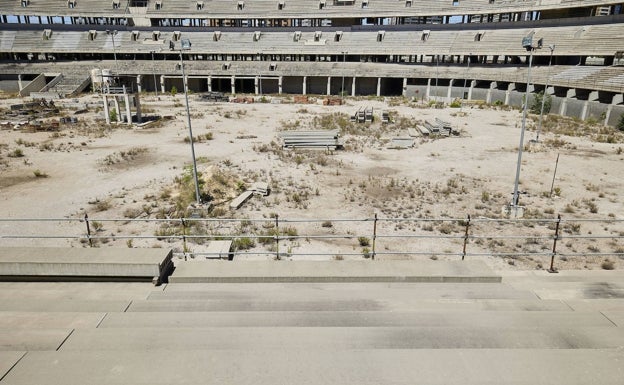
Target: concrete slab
506	319
37	305
8	360
339	291
87	291
596	304
39	262
318	367
49	320
44	339
330	271
335	339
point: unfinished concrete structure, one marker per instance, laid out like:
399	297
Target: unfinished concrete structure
416	48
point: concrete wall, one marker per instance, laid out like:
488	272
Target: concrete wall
9	86
615	115
35	85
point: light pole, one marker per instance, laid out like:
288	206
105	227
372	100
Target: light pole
154	73
185	44
436	82
539	126
260	76
112	35
344	60
527	43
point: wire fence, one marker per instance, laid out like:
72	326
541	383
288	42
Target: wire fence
367	237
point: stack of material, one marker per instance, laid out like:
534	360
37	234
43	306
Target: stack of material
401	143
368	115
260	188
446	126
312	139
332	102
432	128
302	99
385	117
214	97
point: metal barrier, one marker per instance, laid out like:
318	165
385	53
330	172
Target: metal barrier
464	238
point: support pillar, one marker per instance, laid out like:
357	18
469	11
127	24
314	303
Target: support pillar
117	110
139	87
571	93
305	85
106	110
428	89
128	110
593	96
473	83
353	86
162	84
488	96
19	82
256	82
329	85
280	82
233	84
617	99
378	87
449	95
404	93
209	83
510	87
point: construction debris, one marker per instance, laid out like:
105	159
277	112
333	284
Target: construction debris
363	115
332	101
329	139
260	188
401	143
239	200
214	97
385	117
440	126
218	249
302	99
244	100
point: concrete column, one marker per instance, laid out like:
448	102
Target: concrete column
117	109
209	83
449	97
128	110
428	90
593	96
404	93
19	82
510	87
617	99
106	110
488	96
162	84
305	85
378	86
256	82
473	83
137	106
139	87
280	84
233	84
328	85
353	86
571	93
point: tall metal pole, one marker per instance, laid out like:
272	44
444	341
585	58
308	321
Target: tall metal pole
436	83
516	194
188	118
154	73
539	126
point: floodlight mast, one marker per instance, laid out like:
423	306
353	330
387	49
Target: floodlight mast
527	43
539	127
185	44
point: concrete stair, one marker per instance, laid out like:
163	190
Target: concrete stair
316	332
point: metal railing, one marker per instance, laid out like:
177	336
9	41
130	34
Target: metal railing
368	237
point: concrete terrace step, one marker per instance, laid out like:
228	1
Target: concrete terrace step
49	292
435	318
318	367
337	338
332	271
57	263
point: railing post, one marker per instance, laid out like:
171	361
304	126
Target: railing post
554	249
277	255
184	247
466	237
86	218
374	235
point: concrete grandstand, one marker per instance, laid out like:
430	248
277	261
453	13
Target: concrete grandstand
415	48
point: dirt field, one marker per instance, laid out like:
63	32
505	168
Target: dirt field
125	172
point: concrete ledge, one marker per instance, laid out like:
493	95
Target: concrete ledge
55	263
332	271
